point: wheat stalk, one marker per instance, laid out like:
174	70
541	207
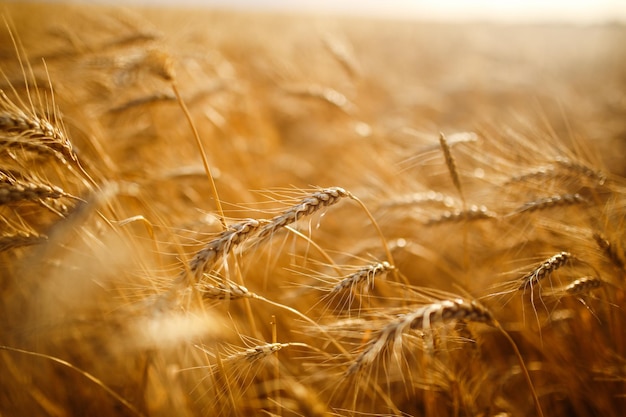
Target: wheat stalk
81	372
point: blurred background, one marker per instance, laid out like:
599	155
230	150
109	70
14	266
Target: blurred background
519	11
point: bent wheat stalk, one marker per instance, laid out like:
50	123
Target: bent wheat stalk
165	69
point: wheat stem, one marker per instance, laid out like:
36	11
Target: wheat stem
205	161
86	374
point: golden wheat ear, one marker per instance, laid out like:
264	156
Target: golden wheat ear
421	318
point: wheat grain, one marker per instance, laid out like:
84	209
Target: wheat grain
19	239
56	206
424	317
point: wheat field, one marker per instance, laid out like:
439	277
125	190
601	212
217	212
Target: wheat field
209	213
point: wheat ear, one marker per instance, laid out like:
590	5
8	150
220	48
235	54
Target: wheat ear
16	190
446	311
256	353
420	198
312	203
224	290
610	250
365	275
422	318
451	164
583	285
307	206
474	213
19	239
538	174
31	132
545	269
581	169
559	200
206	258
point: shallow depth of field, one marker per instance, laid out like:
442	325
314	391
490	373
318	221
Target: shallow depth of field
229	214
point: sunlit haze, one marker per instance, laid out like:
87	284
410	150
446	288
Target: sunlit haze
580	11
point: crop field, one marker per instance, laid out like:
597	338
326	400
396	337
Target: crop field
211	213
